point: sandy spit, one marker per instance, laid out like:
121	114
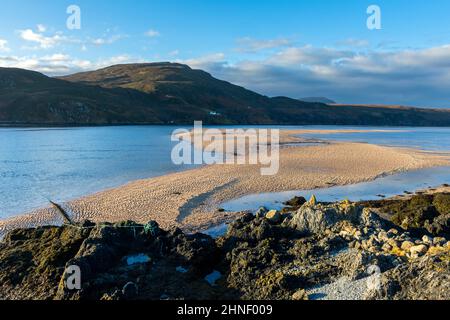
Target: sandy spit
191	199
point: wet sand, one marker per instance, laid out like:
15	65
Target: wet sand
191	199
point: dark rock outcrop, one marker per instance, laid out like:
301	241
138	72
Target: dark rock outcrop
311	248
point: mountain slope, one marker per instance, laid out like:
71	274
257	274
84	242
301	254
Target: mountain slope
28	97
318	99
165	93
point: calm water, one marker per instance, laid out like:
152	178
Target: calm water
63	164
383	187
433	139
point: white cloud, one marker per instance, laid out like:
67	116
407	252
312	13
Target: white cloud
107	40
41	28
205	62
152	33
62	64
408	77
4	46
44	42
353	43
250	45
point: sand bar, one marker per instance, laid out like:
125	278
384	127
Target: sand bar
190	199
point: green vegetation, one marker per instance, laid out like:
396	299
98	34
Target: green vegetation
429	212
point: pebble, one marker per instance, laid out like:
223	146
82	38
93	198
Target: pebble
382	236
393	243
418	251
392	232
300	295
438	241
406	245
427	240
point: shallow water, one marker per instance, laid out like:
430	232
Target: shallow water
66	163
63	164
137	259
432	139
386	186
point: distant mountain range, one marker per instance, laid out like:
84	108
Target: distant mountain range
169	93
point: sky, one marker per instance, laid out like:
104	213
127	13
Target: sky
294	48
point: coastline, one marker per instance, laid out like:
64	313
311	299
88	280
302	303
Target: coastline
190	199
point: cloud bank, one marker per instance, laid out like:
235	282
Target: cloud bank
403	77
349	72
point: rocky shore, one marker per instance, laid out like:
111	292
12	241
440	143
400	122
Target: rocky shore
387	249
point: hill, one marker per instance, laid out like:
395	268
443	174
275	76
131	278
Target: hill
318	99
168	93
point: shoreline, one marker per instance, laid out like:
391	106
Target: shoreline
190	199
189	124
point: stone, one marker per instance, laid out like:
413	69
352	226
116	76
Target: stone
315	220
418	251
383	236
130	291
312	201
357	234
273	216
296	202
386	247
392	232
261	212
406	245
439	241
427	240
300	295
152	228
370	220
393	243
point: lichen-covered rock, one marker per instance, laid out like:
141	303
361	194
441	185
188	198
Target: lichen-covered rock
300	295
32	261
258	259
426	278
316	219
421	214
418	251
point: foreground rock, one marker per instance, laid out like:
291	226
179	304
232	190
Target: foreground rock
308	251
423	213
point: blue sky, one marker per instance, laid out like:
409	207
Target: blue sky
294	48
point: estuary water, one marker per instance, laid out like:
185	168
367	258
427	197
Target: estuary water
61	164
